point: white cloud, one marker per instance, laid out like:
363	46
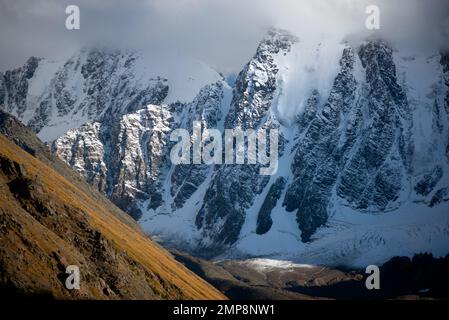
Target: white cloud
223	33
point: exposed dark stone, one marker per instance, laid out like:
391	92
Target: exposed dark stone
317	157
428	182
442	195
264	221
10	167
234	187
206	109
359	147
15	84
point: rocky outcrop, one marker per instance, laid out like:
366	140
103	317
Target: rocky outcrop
14	86
233	188
206	109
135	159
256	83
264	221
129	160
358	145
317	158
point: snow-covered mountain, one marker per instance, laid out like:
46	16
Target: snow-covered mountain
364	145
54	96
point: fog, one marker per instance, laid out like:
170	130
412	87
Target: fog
222	33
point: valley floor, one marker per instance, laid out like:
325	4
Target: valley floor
422	277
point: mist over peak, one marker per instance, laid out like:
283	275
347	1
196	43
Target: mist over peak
221	33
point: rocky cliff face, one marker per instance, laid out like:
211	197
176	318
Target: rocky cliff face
129	159
440	126
360	145
233	188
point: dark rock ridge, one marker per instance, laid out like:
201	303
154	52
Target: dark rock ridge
233	187
14	86
358	145
264	221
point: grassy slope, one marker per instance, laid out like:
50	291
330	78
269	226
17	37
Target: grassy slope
139	258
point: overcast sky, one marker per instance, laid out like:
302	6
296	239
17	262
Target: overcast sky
223	33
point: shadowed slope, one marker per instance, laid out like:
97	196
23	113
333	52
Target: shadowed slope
47	223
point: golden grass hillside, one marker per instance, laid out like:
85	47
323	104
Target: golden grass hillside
47	223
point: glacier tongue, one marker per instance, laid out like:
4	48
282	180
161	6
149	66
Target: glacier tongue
355	239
